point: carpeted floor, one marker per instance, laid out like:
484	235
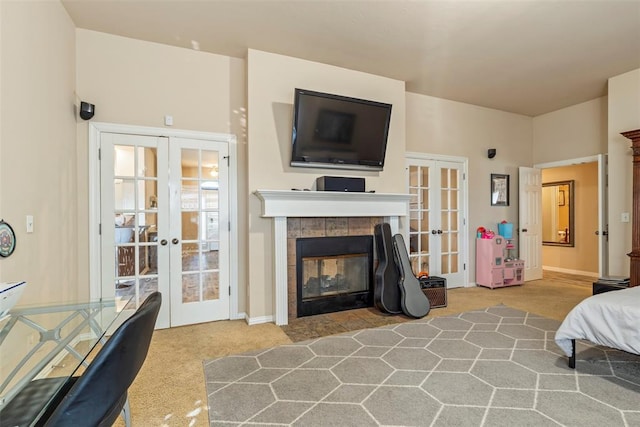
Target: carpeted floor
170	388
497	366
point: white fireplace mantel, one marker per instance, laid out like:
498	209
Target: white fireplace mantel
278	203
283	204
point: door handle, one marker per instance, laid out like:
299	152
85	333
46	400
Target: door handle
163	242
175	241
597	233
524	230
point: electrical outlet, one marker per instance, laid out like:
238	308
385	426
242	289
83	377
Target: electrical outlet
624	217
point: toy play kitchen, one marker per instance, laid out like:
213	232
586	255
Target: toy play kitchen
497	265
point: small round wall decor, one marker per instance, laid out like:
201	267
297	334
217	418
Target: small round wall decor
7	239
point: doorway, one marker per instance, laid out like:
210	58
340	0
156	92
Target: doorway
164	222
587	250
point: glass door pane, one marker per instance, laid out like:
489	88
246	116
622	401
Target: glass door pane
200	225
449	193
419	223
135	184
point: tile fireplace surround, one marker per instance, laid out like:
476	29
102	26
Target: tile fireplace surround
309	213
319	227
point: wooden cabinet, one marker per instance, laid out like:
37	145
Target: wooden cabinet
492	269
634	266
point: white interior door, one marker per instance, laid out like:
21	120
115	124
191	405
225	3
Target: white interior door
199	231
603	220
133	183
530	218
436	220
161	211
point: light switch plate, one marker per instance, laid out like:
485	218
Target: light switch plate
624	217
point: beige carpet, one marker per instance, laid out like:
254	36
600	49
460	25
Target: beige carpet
170	391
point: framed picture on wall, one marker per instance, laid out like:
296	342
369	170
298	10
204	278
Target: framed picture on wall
499	190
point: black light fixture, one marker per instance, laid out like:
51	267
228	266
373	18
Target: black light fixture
87	110
491	153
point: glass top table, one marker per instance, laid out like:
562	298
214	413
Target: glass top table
51	340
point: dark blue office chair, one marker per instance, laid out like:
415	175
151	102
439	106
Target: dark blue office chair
99	395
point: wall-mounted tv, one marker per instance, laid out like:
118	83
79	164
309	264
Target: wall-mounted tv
339	132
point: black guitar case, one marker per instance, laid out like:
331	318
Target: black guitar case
413	301
386	293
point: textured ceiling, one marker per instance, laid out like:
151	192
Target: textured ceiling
526	57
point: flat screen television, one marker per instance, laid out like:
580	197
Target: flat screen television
339	132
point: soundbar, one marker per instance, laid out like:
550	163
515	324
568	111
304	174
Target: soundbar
340	183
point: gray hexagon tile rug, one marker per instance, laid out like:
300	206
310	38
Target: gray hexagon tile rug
492	367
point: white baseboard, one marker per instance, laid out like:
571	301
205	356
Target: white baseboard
259	320
238	316
569	271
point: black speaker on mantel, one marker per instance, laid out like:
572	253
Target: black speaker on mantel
339	183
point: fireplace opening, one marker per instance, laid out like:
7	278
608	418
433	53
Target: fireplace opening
334	274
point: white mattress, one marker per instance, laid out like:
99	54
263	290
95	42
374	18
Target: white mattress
611	319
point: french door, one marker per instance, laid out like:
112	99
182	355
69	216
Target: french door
164	219
437	219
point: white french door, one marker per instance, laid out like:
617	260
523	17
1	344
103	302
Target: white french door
199	224
437	219
164	219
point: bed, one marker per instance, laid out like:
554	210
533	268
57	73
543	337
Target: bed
611	319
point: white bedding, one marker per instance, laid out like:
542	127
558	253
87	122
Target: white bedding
611	319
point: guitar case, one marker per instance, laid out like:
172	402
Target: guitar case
386	293
413	301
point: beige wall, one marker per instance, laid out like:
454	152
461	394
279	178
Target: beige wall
138	83
583	257
271	83
38	161
624	115
571	133
438	126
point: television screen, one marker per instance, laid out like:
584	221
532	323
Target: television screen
332	131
